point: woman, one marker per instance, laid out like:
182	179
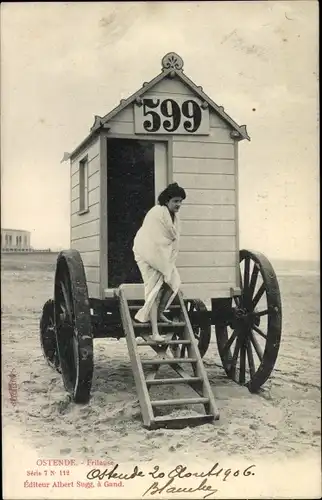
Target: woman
155	248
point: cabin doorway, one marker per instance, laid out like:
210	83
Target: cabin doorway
136	173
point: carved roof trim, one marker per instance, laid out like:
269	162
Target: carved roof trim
172	66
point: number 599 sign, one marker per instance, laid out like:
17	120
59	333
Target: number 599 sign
175	115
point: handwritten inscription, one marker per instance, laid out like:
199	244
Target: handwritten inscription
167	488
169	485
97	474
158	480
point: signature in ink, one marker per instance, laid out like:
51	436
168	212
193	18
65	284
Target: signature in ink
170	487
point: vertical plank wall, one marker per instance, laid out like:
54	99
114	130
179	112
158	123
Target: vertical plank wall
85	228
206	167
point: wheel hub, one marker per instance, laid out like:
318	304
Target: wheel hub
243	319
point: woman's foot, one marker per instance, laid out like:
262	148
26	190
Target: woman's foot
157	338
141	322
163	319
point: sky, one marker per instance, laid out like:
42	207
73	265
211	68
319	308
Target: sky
63	63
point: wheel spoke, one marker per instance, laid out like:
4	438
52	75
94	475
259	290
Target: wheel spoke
236	299
259	295
250	358
75	349
234	359
259	313
257	347
66	299
246	272
259	331
242	364
252	285
241	280
229	342
196	332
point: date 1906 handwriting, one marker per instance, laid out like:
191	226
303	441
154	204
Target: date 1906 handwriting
177	473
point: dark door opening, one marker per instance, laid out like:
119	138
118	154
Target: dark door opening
130	194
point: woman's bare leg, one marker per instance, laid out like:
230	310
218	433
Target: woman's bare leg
165	296
154	318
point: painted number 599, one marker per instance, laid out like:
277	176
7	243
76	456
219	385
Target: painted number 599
172	112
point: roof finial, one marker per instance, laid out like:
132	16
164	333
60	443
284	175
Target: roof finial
172	61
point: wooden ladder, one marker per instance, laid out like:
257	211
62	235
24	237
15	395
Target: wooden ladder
186	340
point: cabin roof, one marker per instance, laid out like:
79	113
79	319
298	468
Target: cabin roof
172	67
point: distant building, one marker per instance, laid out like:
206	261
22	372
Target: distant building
15	240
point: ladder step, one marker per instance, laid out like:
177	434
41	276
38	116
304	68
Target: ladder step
176	380
168	361
173	402
167	342
175	422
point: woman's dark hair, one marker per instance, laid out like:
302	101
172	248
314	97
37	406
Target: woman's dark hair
172	191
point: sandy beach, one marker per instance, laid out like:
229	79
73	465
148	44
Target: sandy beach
281	424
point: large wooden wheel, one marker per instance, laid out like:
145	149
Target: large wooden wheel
249	344
73	325
201	325
48	335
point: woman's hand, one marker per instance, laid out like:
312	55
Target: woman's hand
167	276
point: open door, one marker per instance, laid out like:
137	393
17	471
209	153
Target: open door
136	174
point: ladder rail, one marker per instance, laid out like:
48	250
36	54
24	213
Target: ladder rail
199	369
139	378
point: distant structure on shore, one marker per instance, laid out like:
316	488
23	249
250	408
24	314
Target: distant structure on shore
17	240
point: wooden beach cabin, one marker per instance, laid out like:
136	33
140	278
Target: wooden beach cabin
167	131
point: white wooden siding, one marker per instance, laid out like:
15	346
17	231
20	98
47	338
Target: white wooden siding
86	244
91	153
85	230
207	212
91	259
206	259
93	289
204	166
93	180
206	291
194	149
206	181
85	227
208	274
207	243
77	220
216	121
126	115
123	123
209	196
93	196
208	228
117	127
171	86
92	274
216	135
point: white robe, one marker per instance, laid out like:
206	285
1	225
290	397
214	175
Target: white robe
156	247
